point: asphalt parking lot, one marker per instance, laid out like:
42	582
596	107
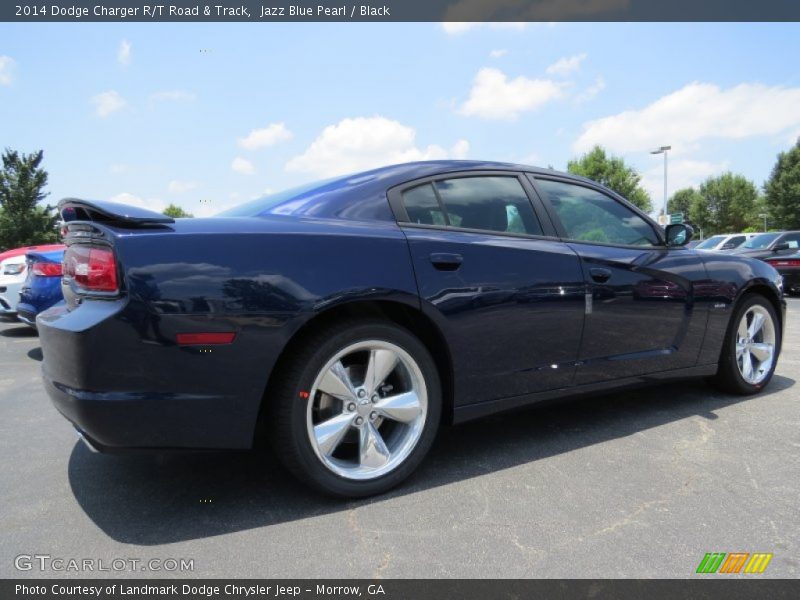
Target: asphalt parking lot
634	484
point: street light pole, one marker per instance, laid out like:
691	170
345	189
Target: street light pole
663	150
764	216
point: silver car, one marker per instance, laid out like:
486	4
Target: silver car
13	272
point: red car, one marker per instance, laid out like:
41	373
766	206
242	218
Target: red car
26	249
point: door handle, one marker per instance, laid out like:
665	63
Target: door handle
600	275
445	261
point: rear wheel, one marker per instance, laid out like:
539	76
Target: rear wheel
750	351
358	406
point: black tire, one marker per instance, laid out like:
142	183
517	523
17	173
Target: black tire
728	377
288	428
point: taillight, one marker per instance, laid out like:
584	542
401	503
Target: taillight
92	269
793	262
44	269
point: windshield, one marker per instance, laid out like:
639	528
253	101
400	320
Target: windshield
710	242
760	241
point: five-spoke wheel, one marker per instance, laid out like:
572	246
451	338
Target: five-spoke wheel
751	347
367	409
357	408
755	344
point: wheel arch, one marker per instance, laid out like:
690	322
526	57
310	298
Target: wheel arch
399	313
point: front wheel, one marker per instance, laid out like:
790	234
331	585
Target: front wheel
751	346
358	406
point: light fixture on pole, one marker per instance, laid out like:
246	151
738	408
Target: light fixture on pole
764	216
663	150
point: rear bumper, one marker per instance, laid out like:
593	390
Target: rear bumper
114	422
9	298
124	391
791	281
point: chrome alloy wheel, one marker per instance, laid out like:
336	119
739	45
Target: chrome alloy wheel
755	344
367	410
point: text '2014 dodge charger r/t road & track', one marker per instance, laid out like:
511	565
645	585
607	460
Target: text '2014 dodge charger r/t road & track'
345	320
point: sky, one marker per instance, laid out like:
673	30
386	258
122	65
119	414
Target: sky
207	116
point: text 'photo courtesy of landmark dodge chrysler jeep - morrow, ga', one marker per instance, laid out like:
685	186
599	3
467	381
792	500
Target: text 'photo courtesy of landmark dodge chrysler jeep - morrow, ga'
344	321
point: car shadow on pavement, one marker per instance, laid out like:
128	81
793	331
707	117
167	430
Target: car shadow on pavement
22	331
157	499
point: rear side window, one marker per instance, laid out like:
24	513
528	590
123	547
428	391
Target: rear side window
591	216
491	203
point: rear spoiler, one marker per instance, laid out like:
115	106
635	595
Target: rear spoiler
74	209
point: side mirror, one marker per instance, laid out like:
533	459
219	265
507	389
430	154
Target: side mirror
781	246
679	235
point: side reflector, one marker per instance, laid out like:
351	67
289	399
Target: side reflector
205	339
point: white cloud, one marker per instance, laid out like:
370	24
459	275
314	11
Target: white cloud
494	96
695	112
6	66
682	173
124	53
498	53
527	10
106	103
590	92
243	166
567	64
460	149
172	96
357	144
179	187
459	27
133	200
268	136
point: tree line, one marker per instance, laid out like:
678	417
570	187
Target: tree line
726	203
24	220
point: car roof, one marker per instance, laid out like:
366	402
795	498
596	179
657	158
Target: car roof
362	196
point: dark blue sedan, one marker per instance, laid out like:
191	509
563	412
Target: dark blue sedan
345	320
42	288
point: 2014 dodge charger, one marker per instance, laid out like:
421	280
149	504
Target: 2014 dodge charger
344	321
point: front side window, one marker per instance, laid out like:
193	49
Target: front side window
590	216
489	203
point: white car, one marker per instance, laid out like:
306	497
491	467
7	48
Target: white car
724	243
13	272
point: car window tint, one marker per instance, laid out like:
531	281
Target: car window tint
793	239
422	206
711	242
492	203
735	241
590	216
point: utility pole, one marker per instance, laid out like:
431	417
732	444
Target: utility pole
663	150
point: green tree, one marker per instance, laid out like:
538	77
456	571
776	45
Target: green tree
782	190
731	203
176	212
681	201
23	222
613	173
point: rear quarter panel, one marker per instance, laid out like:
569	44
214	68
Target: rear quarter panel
261	278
